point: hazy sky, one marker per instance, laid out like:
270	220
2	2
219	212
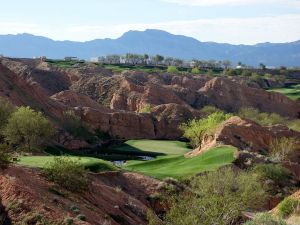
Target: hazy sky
230	21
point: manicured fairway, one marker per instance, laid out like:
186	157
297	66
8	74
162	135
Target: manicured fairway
144	147
181	167
293	92
93	164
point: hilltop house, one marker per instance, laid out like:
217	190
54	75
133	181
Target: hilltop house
71	58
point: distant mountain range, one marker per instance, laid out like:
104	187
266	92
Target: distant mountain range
152	42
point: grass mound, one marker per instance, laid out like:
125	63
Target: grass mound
293	92
180	167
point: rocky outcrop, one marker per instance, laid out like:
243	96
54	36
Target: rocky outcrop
21	89
245	135
113	198
229	95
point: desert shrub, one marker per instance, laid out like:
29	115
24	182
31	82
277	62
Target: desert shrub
266	219
207	110
255	77
210	73
81	217
67	173
69	221
27	128
172	69
145	109
231	72
6	109
268	76
216	198
5	156
277	173
288	206
195	129
264	119
36	218
294	125
246	73
282	148
196	70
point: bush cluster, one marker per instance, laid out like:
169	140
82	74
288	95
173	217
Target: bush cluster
216	198
195	129
67	173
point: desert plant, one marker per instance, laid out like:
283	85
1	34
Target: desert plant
288	206
81	217
5	156
209	109
262	118
266	219
195	130
27	128
145	109
216	198
172	69
276	173
6	109
282	148
195	70
67	173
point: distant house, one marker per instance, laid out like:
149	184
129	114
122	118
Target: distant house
97	59
71	58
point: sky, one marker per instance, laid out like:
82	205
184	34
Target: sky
224	21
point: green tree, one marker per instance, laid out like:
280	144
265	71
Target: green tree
195	130
158	59
6	109
27	128
172	69
5	156
195	70
262	66
216	198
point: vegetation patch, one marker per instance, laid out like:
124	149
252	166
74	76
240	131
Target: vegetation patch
195	130
67	173
288	206
217	197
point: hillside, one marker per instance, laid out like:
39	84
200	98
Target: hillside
152	42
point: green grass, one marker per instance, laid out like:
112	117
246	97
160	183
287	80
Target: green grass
169	161
181	167
152	147
92	164
293	92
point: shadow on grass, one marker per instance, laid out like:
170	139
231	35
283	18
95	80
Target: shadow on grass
120	152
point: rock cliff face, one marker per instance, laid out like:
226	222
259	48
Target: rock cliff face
231	96
111	102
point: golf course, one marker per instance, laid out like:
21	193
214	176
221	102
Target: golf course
168	159
293	91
